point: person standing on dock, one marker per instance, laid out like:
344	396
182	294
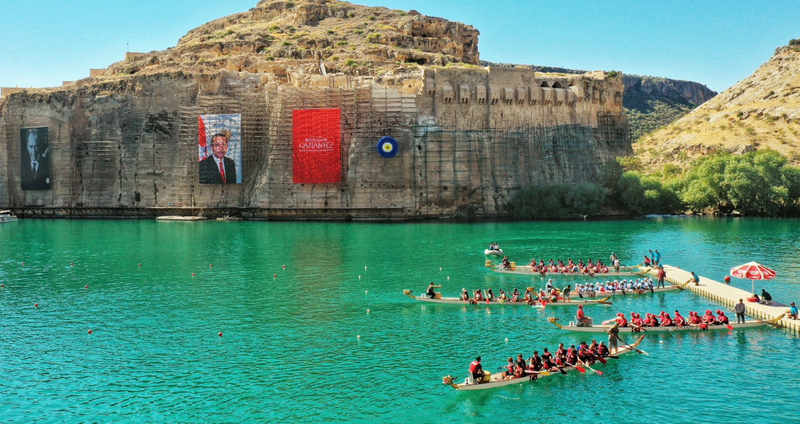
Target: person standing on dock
656	258
661	276
739	309
793	311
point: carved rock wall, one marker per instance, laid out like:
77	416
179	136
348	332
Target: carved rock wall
468	140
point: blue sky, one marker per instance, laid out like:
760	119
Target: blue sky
717	43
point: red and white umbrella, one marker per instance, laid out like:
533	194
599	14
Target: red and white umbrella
753	271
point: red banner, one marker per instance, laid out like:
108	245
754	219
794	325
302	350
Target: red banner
317	139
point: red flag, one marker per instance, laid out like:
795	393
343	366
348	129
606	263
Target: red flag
317	154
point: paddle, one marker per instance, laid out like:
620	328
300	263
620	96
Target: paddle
580	368
587	366
639	351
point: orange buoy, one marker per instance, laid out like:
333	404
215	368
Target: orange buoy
86	286
90	331
220	334
284	267
274	275
2	285
35	305
192	274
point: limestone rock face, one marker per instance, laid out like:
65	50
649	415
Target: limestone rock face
126	143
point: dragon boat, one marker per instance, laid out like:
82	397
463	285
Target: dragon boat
537	304
514	269
692	327
491	381
631	292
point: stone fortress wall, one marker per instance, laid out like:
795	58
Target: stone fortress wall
469	139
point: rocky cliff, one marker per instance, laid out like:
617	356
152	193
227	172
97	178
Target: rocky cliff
650	102
761	111
125	142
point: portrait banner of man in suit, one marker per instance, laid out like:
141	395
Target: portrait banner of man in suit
220	149
34	158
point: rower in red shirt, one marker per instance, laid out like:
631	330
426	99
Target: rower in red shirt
708	318
721	318
621	320
583	320
667	321
679	320
694	318
637	320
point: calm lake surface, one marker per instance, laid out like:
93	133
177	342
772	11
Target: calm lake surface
290	350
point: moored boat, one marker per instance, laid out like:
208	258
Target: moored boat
493	252
496	380
7	216
630	292
527	270
692	327
458	300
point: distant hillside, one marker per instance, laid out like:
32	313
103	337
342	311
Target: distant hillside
650	102
761	111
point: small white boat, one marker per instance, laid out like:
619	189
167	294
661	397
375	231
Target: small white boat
493	252
691	327
7	216
496	379
180	218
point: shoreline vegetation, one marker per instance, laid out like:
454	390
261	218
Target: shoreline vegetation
757	184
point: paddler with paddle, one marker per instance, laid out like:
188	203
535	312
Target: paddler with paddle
476	370
613	336
583	320
432	290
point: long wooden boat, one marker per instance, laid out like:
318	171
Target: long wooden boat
457	300
526	270
496	379
692	327
631	292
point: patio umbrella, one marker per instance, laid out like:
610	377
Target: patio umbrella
753	271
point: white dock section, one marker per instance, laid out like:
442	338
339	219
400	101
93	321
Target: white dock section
729	296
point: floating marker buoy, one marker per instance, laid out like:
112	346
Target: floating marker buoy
2	285
367	309
35	305
90	331
220	334
365	268
366	291
211	265
140	264
86	286
192	274
23	264
440	269
661	341
506	339
72	264
274	275
358	336
448	278
359	277
284	267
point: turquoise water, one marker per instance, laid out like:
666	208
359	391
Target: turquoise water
290	350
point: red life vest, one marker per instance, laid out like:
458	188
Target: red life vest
473	367
581	315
